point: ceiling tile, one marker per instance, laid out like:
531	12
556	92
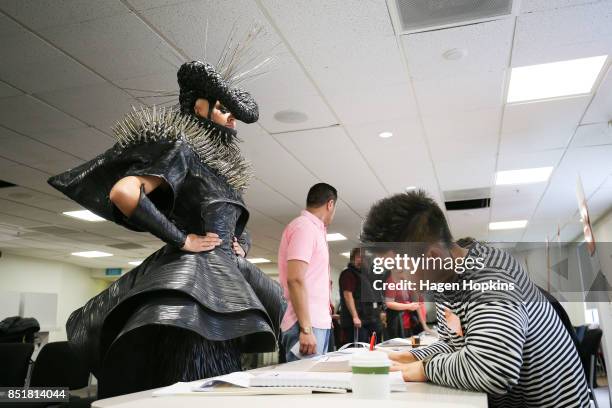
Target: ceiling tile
470	223
28	115
529	6
109	105
101	44
529	159
85	143
6	90
600	109
592	135
540	125
563	34
460	93
487	44
465	173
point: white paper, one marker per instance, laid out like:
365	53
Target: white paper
296	350
238	378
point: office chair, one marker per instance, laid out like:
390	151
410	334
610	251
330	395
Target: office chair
589	347
14	360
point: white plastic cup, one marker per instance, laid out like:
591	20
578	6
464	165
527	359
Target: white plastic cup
370	378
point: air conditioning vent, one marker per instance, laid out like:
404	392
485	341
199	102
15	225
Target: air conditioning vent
468	199
426	15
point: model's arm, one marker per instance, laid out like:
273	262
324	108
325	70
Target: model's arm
296	270
129	196
350	304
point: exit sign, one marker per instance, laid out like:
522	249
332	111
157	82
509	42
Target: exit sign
113	271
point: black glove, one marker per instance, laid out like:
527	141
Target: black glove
147	217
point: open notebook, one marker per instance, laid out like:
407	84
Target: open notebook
316	381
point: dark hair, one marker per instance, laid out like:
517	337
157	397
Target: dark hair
320	194
353	254
406	217
466	242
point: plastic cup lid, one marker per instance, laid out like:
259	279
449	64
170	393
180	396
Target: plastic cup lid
370	359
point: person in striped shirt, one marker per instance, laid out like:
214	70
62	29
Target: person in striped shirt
509	344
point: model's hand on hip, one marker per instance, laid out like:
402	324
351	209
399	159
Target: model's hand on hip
308	343
237	248
201	243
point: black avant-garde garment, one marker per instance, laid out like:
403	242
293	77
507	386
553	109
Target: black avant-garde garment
179	316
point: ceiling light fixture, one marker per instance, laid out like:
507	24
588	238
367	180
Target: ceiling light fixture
385	135
410	188
258	260
290	116
335	236
346	254
84	215
506	225
556	79
92	254
135	263
523	176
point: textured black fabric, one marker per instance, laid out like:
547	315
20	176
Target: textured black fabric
18	329
147	217
210	297
365	297
198	79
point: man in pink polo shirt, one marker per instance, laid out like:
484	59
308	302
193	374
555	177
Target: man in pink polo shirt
303	269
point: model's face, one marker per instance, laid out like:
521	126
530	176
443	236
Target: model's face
220	114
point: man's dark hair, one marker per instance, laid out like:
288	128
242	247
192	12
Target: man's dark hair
320	194
407	217
353	254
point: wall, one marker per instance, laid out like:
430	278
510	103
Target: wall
73	284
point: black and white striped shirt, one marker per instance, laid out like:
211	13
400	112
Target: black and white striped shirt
514	347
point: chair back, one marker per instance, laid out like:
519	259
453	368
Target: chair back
58	366
14	360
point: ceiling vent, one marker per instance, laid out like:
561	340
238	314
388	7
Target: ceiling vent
469	199
426	15
126	245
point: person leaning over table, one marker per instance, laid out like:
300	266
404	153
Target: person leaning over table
510	344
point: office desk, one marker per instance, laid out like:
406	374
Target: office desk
418	394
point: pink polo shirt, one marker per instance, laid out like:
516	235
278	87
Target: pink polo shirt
305	239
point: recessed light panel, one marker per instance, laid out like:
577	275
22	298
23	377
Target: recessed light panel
92	254
346	254
556	79
335	236
258	260
523	176
135	263
506	225
84	215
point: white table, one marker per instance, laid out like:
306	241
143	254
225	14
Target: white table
418	394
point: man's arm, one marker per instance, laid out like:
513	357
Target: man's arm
401	306
299	300
491	360
350	304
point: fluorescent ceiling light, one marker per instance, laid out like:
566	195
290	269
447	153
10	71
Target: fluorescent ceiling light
92	254
385	135
335	236
346	254
505	225
410	188
135	263
84	215
258	260
523	176
563	78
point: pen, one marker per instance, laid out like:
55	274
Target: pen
372	341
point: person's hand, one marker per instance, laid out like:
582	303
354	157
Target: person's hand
453	322
357	322
201	243
403	357
412	306
237	248
308	343
430	331
412	372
